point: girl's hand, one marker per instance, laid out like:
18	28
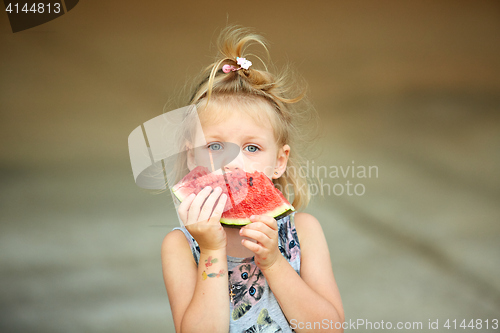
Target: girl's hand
201	215
264	230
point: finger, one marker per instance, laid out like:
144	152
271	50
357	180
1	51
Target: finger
256	234
219	208
194	210
268	220
258	225
254	247
208	206
184	206
261	227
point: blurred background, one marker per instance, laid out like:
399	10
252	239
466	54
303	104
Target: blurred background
412	88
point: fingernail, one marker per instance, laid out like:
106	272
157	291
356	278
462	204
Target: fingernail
218	189
208	188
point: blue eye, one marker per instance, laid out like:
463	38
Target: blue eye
215	146
244	275
292	244
252	291
252	148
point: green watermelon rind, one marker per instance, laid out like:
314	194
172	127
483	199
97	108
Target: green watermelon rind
277	213
177	195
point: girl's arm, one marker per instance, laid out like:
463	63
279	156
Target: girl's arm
198	295
311	297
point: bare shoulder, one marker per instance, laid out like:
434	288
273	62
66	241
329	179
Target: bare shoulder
174	238
307	226
176	252
176	245
312	239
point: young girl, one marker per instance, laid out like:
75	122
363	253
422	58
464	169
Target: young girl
270	275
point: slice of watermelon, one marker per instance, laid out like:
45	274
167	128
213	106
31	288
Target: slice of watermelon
232	184
248	194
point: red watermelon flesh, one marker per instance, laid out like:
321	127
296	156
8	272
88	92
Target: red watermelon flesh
232	184
248	194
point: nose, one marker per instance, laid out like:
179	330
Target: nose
231	168
236	164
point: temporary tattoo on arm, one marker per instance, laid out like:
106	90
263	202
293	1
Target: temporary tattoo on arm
210	261
204	275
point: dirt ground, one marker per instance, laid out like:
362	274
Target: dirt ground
410	89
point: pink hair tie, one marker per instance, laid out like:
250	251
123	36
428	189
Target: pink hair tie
229	68
245	64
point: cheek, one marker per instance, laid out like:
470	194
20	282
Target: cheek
265	165
197	157
269	172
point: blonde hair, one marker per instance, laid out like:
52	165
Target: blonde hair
256	85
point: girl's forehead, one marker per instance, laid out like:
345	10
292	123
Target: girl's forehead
256	111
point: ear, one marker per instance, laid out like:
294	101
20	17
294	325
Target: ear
281	161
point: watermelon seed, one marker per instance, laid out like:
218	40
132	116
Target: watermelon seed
251	181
